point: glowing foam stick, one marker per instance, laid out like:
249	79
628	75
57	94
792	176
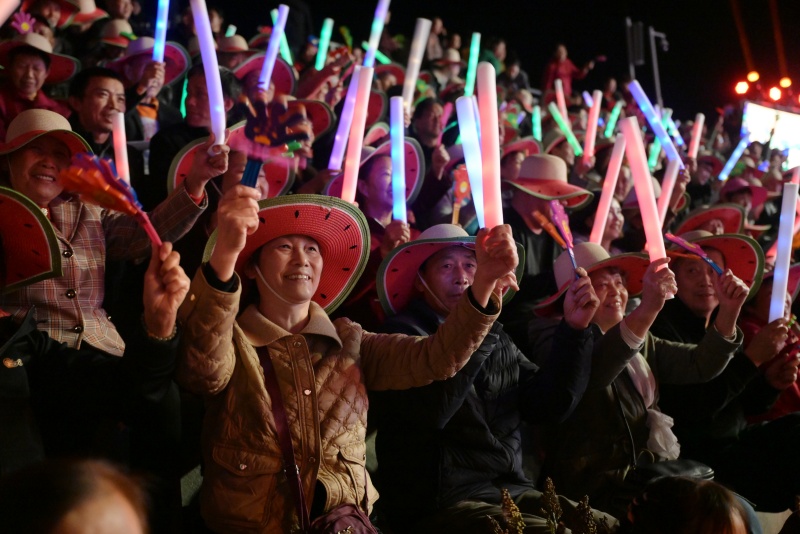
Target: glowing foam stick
587	99
737	153
396	131
376	31
6	9
231	30
472	153
276	15
446	112
477	116
673	131
161	30
591	126
667	185
697	134
418	44
490	145
380	56
609	185
612	119
560	99
655	151
353	157
324	43
777	304
796	176
472	66
634	149
654	120
216	103
536	119
345	120
565	129
120	146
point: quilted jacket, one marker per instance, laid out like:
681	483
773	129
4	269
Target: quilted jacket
324	373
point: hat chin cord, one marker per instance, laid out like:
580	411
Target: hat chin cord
428	289
261	277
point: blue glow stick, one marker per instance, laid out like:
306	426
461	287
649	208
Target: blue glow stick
536	119
161	30
286	54
472	66
375	33
654	120
737	153
345	121
587	99
272	47
324	43
396	131
468	127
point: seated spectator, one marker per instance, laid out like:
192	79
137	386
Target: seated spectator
426	128
513	78
447	69
433	50
232	51
298	257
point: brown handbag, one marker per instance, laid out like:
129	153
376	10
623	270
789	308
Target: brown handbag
345	518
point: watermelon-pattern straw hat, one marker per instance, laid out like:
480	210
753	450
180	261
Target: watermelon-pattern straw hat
28	243
282	73
337	226
34	123
731	216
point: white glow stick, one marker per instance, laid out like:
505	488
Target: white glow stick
120	146
472	153
421	33
273	47
780	281
490	144
205	38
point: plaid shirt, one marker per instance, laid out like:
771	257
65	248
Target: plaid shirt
69	308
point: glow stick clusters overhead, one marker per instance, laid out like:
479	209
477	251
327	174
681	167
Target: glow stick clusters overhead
612	119
697	134
396	130
375	33
780	281
609	185
490	144
591	126
654	120
472	153
353	158
472	66
216	103
565	129
345	120
324	43
162	16
421	33
286	54
737	153
278	26
120	147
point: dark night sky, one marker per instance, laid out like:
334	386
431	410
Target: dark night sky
698	72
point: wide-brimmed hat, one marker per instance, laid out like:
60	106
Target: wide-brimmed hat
398	71
375	133
377	107
87	12
527	145
631	201
414	167
62	67
593	258
233	44
279	174
732	217
545	176
29	243
282	73
34	123
117	32
555	137
712	159
176	58
261	39
319	113
193	46
337	226
743	255
68	9
399	269
451	56
736	184
793	287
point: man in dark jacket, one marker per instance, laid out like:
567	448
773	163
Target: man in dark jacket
446	450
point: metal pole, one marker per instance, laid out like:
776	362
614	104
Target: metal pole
629	42
656	77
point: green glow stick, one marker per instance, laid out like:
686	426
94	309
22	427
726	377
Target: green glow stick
472	68
536	119
348	38
324	43
286	54
380	56
612	120
183	97
231	31
565	129
655	151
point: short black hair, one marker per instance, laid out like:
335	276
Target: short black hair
424	106
80	82
231	86
27	50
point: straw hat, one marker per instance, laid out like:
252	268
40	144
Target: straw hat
282	73
337	226
527	145
398	71
713	160
451	56
593	258
62	67
399	269
176	58
29	243
34	123
737	184
545	177
88	12
68	9
731	216
234	43
117	32
375	133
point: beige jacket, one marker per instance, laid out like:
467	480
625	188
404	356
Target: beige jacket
324	373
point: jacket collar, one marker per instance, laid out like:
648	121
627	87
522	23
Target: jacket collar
260	331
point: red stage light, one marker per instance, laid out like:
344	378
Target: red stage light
775	94
741	88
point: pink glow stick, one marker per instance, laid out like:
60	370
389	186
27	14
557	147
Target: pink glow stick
216	103
560	99
591	126
448	110
697	135
6	9
490	144
668	184
353	156
120	146
796	176
609	185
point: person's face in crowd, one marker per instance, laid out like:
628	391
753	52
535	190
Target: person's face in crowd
438	26
704	172
500	51
564	151
561	52
377	188
216	20
49	9
233	176
250	87
609	284
119	9
744	198
455	69
455	41
624	184
104	513
611	85
134	67
527	204
292	266
448	273
231	60
696	280
102	99
510	166
387	80
614	222
713	226
28	73
755	150
45	31
429	124
197	113
513	70
34	169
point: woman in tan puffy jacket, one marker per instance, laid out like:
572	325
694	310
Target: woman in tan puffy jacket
296	258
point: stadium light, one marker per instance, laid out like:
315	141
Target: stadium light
753	76
741	88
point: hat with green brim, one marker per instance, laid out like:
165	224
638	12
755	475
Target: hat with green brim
29	245
593	258
399	269
731	216
62	67
545	176
337	226
34	123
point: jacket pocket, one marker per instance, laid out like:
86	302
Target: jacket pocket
354	459
239	487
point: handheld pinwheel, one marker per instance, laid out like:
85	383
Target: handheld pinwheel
460	190
545	223
96	181
695	249
561	222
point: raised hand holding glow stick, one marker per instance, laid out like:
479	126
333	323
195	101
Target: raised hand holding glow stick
345	121
737	153
609	185
560	98
375	33
472	153
324	43
472	66
417	51
490	145
278	26
286	54
536	120
612	119
777	304
697	134
396	130
565	129
591	126
654	120
162	16
120	147
353	157
667	186
216	103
